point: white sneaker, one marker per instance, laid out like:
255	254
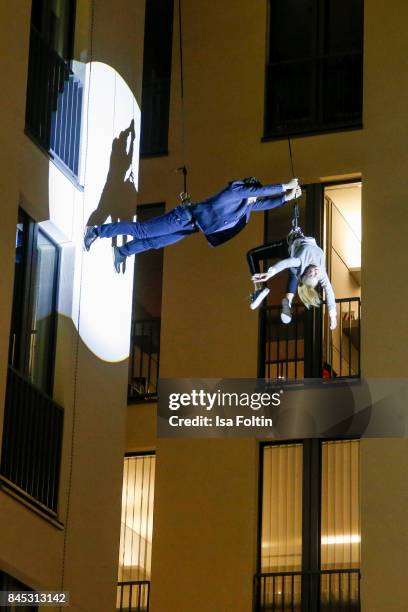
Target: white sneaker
257	297
286	312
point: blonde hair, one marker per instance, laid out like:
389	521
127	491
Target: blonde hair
309	296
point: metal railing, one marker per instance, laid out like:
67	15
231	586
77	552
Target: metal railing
54	103
32	442
314	591
284	353
133	596
283	345
144	359
341	347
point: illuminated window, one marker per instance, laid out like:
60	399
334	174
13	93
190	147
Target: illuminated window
315	66
310	526
54	92
306	347
135	553
156	77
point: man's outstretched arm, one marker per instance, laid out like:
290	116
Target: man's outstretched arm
247	190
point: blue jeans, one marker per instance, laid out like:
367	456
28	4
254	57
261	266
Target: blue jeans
152	234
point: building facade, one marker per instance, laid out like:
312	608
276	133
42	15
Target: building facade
70	142
207	524
207	534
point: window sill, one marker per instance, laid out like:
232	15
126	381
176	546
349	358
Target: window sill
150	399
9	488
55	160
310	132
151	155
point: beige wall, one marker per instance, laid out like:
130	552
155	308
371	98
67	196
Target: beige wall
81	557
204	538
207	328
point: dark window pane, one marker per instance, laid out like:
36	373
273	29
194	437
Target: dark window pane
147	292
20	272
343	26
54	21
61	23
292	31
9	583
314	72
342	95
37	12
290	95
156	76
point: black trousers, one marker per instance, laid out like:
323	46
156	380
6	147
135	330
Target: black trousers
271	250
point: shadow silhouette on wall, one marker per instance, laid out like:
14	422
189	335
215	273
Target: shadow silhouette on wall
119	187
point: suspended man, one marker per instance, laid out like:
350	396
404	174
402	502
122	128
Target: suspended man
219	218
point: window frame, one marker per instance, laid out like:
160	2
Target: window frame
19	349
150	83
311	505
316	126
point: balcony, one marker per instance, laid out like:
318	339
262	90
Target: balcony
144	360
306	347
54	104
32	443
133	596
323	591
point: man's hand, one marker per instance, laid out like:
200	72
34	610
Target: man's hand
294	193
291	185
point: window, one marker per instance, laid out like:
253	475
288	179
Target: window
8	583
135	553
146	317
314	67
306	347
309	554
54	92
156	77
33	422
33	325
54	21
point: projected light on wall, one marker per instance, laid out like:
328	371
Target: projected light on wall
102	300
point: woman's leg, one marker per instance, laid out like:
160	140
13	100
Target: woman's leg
263	252
286	312
178	219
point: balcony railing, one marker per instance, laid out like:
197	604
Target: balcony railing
133	596
54	103
307	347
32	442
319	591
144	359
